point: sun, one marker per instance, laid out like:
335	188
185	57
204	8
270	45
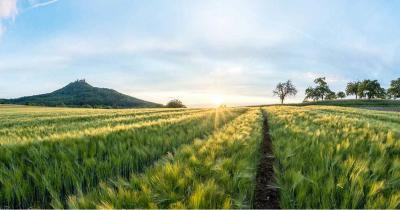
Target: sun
217	100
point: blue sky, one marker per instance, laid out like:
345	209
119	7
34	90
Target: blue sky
196	50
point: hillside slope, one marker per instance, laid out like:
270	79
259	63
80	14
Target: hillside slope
80	93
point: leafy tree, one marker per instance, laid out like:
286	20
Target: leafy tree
352	88
311	94
371	89
330	96
394	89
322	88
341	95
320	91
175	104
284	89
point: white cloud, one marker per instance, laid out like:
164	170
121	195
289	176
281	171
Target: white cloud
226	70
8	9
231	48
329	77
222	24
36	3
35	62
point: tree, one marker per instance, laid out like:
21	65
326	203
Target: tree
352	88
320	91
322	88
371	89
175	104
394	89
284	89
311	94
341	95
330	96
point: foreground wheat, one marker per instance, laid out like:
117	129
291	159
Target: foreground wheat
217	172
47	159
330	157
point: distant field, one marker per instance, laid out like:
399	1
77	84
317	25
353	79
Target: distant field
323	157
389	109
356	103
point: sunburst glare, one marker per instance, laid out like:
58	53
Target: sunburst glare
217	100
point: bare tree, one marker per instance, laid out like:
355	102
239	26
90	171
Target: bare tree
284	89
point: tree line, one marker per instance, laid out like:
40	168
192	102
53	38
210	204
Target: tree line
365	89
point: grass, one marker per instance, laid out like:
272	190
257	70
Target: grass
332	157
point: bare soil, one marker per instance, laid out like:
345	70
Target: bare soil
266	193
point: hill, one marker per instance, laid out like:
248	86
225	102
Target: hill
80	93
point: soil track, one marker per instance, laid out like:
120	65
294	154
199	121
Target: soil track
266	194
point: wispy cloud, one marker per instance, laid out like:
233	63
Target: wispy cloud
9	9
36	4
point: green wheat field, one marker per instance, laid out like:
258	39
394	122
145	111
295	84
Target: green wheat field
325	157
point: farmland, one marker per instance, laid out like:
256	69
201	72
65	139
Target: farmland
51	154
332	157
322	157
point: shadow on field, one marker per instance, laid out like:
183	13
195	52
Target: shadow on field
266	194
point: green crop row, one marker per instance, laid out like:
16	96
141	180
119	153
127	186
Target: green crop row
22	133
29	113
331	157
216	172
60	117
44	173
33	116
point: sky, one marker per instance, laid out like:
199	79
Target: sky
198	51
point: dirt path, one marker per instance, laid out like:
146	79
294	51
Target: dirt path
266	195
